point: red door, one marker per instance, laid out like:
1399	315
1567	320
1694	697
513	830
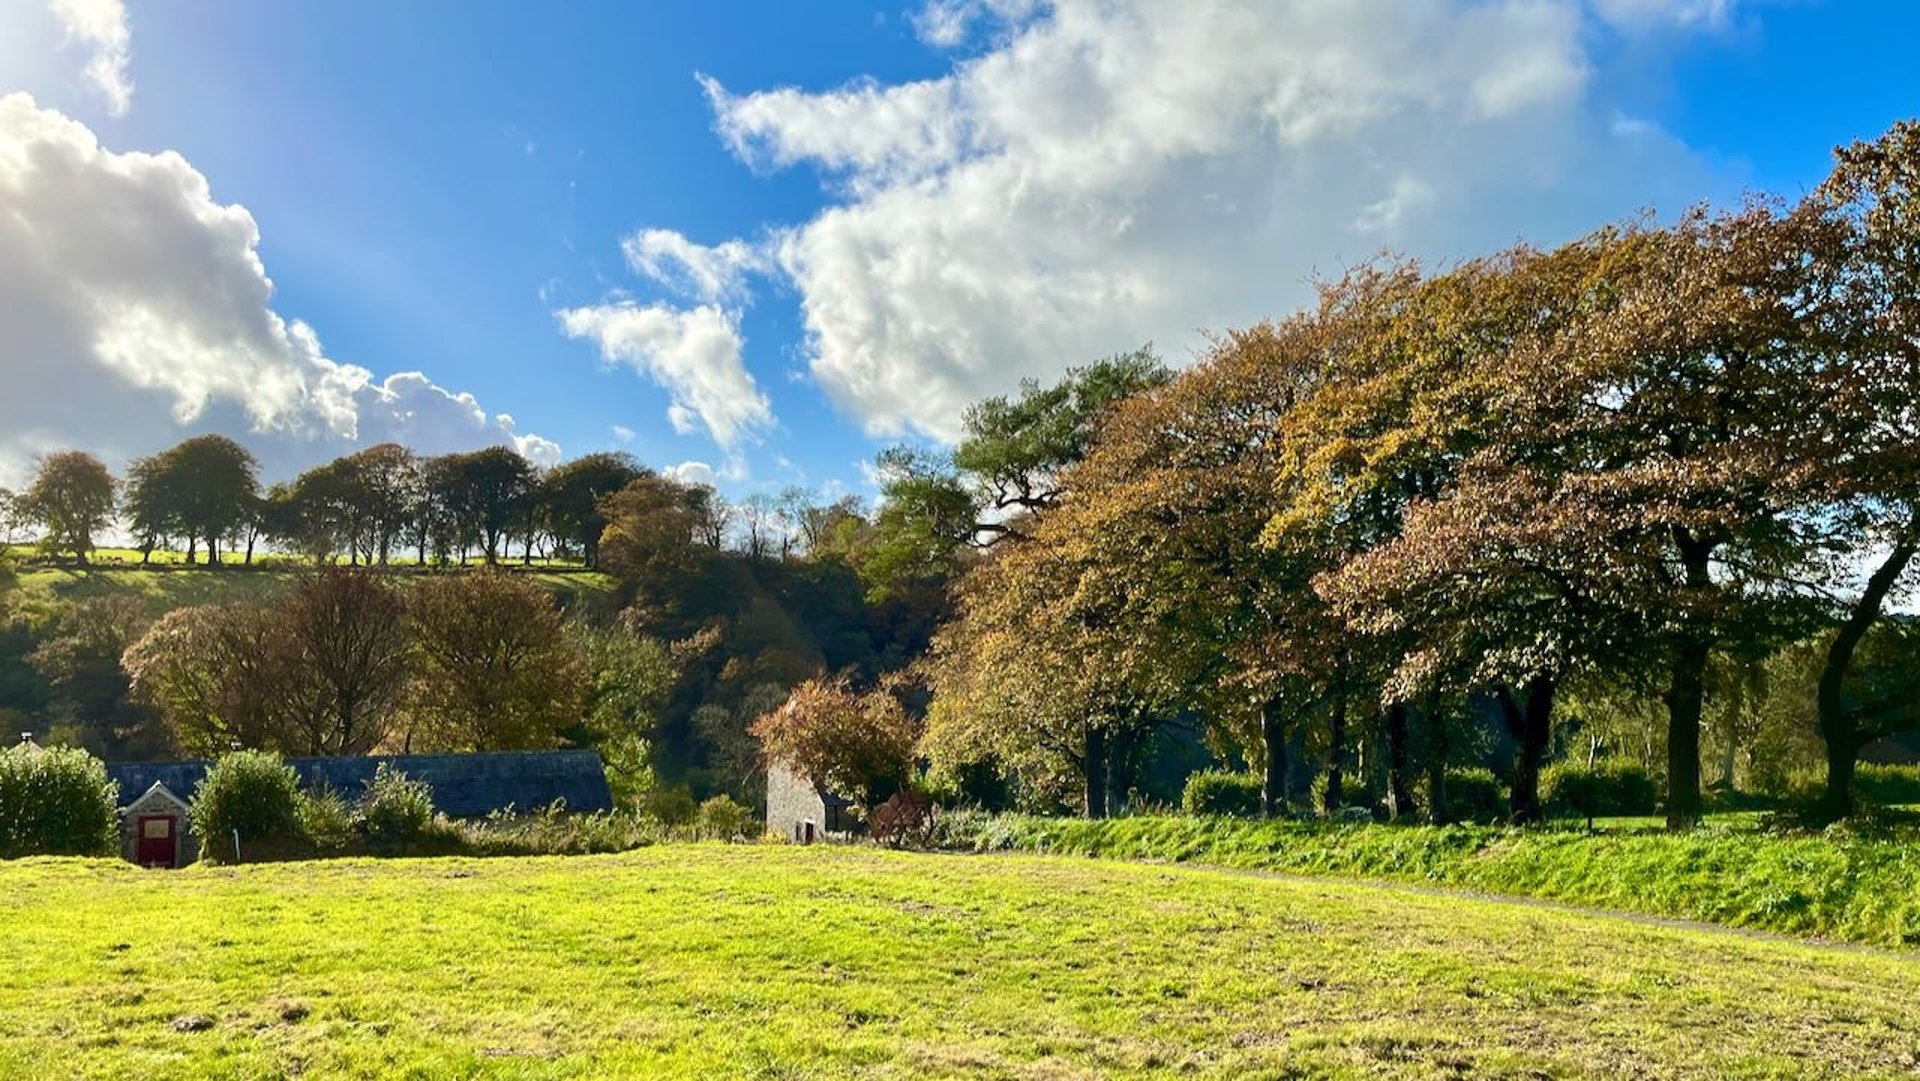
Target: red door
156	845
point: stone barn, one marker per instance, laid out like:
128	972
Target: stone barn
154	831
799	811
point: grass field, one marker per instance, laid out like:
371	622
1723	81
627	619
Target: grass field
172	585
778	962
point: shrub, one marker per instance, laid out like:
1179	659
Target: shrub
671	807
396	809
721	819
1607	788
1219	792
553	832
1473	795
250	792
56	802
326	819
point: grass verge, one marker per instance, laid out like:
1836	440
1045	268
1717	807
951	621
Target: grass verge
1840	885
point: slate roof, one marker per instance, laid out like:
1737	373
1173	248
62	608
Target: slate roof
464	785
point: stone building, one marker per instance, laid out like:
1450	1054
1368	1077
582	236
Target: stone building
800	812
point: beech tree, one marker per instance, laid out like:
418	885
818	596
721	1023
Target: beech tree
72	498
1862	449
494	668
574	491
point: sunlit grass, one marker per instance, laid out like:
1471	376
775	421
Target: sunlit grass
714	961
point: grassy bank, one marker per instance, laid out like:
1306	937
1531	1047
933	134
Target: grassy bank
1836	885
688	961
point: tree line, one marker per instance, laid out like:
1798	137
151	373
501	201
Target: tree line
204	495
1648	464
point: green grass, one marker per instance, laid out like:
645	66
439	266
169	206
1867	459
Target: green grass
41	588
696	961
1860	888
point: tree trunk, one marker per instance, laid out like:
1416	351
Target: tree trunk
1331	797
192	548
1837	723
1437	811
1531	725
1686	696
1096	770
213	550
1399	795
1273	780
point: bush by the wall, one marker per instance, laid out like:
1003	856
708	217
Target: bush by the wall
1606	788
721	819
396	809
251	792
56	802
326	819
1473	795
1219	792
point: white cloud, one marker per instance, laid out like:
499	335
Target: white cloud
102	26
1644	15
622	434
714	275
134	309
1118	171
693	353
946	24
692	473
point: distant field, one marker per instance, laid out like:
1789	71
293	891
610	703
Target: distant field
172	585
776	962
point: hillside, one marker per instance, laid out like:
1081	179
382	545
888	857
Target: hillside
701	961
167	584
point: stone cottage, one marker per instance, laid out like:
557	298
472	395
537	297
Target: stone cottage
799	811
154	831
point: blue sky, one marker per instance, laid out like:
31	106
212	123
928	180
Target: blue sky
864	216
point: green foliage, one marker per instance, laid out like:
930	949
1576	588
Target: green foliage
1354	792
671	807
1219	792
1862	887
396	810
253	793
1474	795
56	802
721	819
327	820
1608	788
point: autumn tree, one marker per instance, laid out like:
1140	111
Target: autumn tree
221	675
1007	469
349	636
859	746
72	498
494	669
1861	445
574	491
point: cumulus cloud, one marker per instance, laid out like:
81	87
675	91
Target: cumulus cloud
101	25
135	309
714	274
692	473
622	434
1110	172
694	354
